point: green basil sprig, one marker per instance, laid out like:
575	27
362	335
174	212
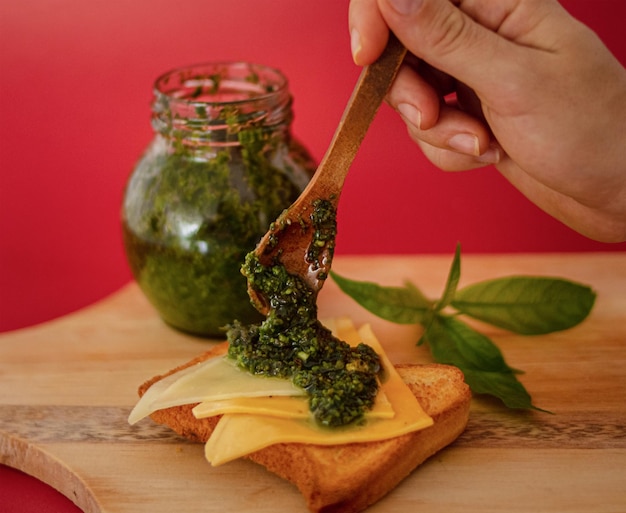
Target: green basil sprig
528	305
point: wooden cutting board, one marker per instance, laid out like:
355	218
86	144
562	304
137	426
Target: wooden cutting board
66	388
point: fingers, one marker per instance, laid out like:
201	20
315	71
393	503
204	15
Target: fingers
439	128
447	38
449	160
368	31
414	99
452	137
457	142
483	43
522	22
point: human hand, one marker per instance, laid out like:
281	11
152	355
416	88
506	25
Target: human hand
536	93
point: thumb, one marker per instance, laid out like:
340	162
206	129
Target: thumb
453	41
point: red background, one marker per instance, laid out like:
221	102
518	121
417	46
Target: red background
76	77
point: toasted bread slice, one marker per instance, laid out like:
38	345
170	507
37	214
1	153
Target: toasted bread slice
348	478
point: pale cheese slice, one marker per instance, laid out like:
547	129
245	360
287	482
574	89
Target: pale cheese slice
237	435
214	379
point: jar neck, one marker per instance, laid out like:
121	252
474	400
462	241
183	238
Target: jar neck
212	104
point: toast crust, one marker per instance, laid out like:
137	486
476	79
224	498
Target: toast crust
348	478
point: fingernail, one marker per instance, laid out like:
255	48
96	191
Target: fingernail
355	44
465	143
491	156
406	6
410	114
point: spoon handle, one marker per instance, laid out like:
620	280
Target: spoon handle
367	96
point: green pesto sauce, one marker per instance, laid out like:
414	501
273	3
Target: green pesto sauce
341	381
189	221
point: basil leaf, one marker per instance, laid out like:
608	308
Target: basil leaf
402	305
502	385
455	343
453	280
526	305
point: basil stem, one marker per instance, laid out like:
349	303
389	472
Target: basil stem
453	281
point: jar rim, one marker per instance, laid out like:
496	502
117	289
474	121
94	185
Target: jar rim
221	83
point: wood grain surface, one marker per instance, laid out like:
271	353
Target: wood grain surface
66	388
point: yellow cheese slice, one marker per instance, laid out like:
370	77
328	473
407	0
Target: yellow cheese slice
214	379
284	407
239	434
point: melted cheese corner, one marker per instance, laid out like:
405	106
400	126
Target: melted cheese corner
240	433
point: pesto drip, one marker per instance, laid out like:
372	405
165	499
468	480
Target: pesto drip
341	381
324	221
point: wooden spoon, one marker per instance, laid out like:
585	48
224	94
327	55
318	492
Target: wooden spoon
289	237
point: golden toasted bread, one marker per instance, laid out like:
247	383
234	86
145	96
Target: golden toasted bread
348	478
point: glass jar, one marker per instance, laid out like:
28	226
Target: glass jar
221	167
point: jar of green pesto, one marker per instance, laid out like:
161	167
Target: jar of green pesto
222	166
